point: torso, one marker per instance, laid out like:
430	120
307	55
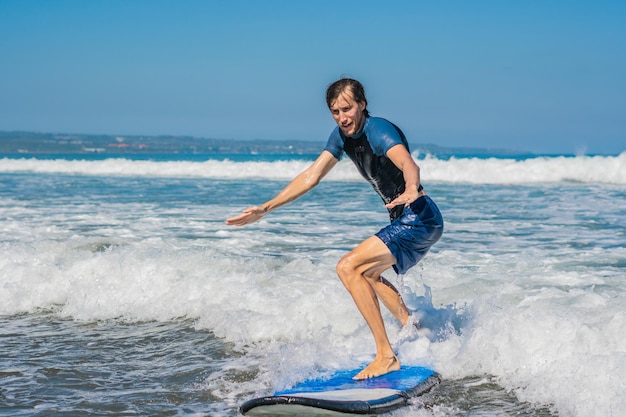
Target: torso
367	149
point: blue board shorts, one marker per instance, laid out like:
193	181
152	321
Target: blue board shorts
410	236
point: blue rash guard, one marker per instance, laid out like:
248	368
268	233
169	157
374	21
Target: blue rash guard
414	228
368	150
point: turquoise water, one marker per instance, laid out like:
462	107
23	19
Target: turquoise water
123	291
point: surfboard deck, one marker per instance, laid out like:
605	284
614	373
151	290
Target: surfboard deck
341	395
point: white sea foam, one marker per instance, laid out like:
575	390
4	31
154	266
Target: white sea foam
584	169
561	346
527	285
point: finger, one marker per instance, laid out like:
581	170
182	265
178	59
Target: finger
398	201
392	204
248	216
237	220
232	222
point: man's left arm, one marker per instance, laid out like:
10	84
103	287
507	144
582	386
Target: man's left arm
401	158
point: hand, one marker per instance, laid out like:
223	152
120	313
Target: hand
249	215
407	197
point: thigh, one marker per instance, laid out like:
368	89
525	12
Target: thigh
370	258
410	236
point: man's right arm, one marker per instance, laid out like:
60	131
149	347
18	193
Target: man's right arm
299	186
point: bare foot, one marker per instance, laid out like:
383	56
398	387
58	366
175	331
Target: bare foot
380	366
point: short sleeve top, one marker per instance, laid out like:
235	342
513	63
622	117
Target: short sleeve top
368	150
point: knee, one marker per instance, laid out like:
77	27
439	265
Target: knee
350	272
347	271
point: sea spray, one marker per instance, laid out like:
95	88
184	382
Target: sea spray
521	300
474	170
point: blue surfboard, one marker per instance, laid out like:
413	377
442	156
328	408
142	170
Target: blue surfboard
342	395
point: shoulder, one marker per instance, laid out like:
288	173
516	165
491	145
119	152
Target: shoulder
382	127
383	135
335	143
379	123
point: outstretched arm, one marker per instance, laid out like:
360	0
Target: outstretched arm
299	186
411	172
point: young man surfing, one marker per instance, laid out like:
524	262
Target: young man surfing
381	154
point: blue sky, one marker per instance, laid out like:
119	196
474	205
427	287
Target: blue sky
544	76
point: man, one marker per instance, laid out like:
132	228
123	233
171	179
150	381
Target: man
381	154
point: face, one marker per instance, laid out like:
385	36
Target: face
348	114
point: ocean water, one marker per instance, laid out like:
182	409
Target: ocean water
123	292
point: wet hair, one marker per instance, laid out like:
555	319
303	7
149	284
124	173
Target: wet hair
347	84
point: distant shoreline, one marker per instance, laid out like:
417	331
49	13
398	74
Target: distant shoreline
36	143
